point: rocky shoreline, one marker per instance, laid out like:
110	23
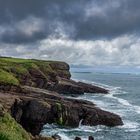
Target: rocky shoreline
38	98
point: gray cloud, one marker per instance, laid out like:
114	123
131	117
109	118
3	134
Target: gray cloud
123	51
26	30
90	19
93	32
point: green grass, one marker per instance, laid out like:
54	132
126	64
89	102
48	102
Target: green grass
15	60
11	130
13	69
23	65
59	120
8	78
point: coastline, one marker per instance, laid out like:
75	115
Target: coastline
35	97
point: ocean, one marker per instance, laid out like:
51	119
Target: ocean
123	99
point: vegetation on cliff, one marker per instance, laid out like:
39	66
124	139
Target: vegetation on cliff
10	129
30	91
14	70
8	78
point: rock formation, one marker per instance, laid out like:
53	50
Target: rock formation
32	93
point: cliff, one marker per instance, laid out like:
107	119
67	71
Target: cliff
50	75
31	91
31	72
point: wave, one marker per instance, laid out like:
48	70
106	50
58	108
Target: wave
111	102
123	101
96	84
117	105
114	92
64	136
84	131
130	125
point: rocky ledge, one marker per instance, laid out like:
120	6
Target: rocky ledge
31	91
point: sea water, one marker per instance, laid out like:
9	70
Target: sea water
123	99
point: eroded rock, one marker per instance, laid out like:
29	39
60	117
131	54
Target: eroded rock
71	87
41	106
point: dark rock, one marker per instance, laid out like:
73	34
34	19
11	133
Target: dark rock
34	115
68	87
39	107
90	138
62	69
38	78
60	66
11	88
95	116
71	87
77	138
56	137
88	88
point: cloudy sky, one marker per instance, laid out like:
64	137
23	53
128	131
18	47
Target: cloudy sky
89	32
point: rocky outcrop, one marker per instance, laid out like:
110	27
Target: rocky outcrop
51	75
62	69
89	88
39	107
65	86
34	107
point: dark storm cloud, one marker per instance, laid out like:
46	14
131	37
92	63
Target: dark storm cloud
52	13
93	32
81	19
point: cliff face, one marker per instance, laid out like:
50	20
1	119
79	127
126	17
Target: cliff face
30	91
51	75
35	73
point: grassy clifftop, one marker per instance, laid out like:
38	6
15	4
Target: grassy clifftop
11	130
14	70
